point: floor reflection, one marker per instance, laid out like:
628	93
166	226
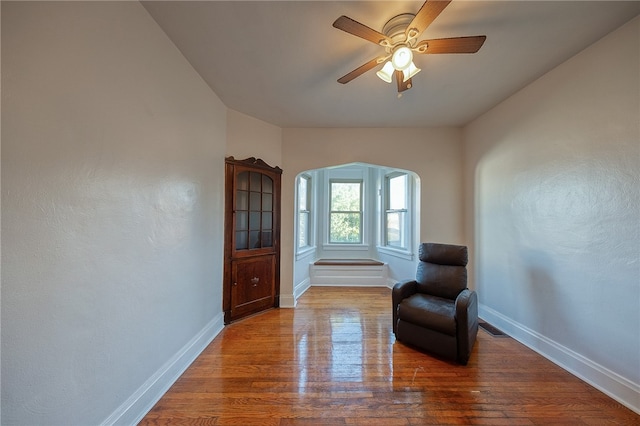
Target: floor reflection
347	347
344	349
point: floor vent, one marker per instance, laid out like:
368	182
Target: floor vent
491	329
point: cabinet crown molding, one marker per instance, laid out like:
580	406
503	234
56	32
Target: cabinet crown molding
254	162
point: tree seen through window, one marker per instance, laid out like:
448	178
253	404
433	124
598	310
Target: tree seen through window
345	217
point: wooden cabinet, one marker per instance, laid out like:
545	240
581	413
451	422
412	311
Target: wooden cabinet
252	237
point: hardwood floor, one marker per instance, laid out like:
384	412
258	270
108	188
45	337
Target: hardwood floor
333	360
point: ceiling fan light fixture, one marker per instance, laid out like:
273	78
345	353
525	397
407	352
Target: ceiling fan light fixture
410	71
399	38
386	73
402	58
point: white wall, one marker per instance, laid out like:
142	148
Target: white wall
112	192
553	196
250	137
435	155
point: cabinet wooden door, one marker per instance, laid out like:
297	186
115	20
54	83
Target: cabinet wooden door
253	287
252	238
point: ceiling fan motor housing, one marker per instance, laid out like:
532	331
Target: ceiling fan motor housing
396	27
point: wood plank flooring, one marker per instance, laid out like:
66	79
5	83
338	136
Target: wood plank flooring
333	360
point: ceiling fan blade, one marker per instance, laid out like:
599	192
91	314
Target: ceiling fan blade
359	71
402	85
425	16
347	24
451	45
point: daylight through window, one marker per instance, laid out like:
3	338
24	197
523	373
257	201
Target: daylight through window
396	211
345	212
304	211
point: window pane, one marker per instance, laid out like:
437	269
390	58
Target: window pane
304	206
303	229
255	202
254	239
242	181
242	200
267	239
242	221
395	222
398	192
267	184
254	221
241	240
345	196
344	228
256	181
302	194
267	222
267	202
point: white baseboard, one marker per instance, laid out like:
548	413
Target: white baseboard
301	288
291	300
612	384
147	395
287	301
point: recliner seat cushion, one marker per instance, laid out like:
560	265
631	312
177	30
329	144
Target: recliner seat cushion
432	312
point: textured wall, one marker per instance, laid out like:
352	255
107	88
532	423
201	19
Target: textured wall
250	137
112	192
553	179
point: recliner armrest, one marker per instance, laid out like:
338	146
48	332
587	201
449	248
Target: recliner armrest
404	289
463	301
466	320
401	290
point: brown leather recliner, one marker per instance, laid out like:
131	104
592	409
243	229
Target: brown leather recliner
436	312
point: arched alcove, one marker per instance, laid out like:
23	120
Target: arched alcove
312	210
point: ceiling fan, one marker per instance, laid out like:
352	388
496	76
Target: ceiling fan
399	37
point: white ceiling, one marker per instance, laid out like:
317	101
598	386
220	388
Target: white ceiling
278	61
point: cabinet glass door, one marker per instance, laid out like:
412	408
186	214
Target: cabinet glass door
253	211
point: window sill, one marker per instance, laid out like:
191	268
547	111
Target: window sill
402	254
362	247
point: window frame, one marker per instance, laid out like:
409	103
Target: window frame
405	230
360	212
304	210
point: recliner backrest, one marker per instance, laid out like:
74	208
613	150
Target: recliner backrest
442	269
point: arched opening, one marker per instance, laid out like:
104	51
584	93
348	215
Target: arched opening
356	217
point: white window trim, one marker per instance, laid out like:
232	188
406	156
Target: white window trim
303	251
306	251
392	251
404	252
364	237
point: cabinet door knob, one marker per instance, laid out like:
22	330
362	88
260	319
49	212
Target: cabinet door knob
235	284
255	281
